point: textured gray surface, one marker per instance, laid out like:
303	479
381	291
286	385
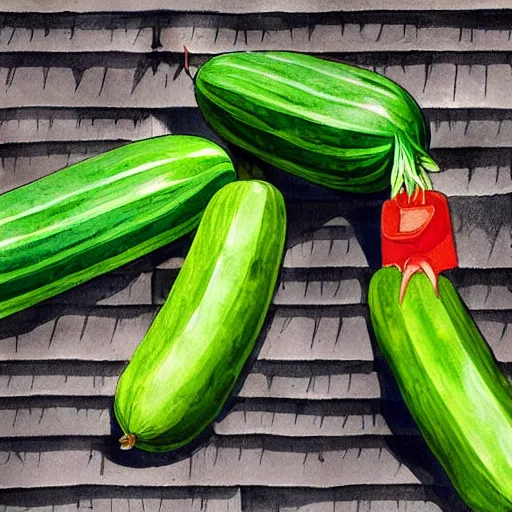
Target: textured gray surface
321	37
223	462
103	499
295	335
68	128
467	172
315	423
449	131
230	6
248	418
300	335
447	85
287	380
298	501
101	86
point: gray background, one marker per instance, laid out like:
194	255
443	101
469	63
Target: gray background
316	423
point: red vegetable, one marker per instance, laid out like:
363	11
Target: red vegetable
417	235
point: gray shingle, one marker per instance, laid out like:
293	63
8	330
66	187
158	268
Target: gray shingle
103	334
306	383
449	86
484	296
337	501
382	499
105	499
202	39
77	39
289	380
293	335
364	506
303	335
483	231
311	424
100	87
390	506
333	245
111	289
57	385
477	181
223	462
48	418
469	133
73	128
231	7
498	333
319	292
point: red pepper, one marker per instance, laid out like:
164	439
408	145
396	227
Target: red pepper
417	235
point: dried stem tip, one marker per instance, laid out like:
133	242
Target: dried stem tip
186	65
127	442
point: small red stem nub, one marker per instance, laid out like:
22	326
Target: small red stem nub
186	65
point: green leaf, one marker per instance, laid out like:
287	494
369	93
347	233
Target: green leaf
429	164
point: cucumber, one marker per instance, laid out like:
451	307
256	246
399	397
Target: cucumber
187	364
99	214
333	124
450	382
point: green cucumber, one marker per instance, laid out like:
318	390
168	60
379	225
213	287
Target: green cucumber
185	368
333	124
99	214
449	380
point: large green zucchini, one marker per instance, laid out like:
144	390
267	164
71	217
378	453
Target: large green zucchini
449	380
333	124
96	215
185	368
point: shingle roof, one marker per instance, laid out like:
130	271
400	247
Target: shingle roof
309	427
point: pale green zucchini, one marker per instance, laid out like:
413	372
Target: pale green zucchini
185	368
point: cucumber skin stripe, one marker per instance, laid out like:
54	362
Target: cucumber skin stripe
97	215
450	382
185	368
330	123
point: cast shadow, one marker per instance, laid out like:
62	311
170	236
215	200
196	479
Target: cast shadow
86	296
302	200
140	459
411	450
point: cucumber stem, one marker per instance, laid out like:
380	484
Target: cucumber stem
186	64
127	441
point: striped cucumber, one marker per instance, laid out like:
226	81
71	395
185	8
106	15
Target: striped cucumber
449	380
186	366
333	124
99	214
